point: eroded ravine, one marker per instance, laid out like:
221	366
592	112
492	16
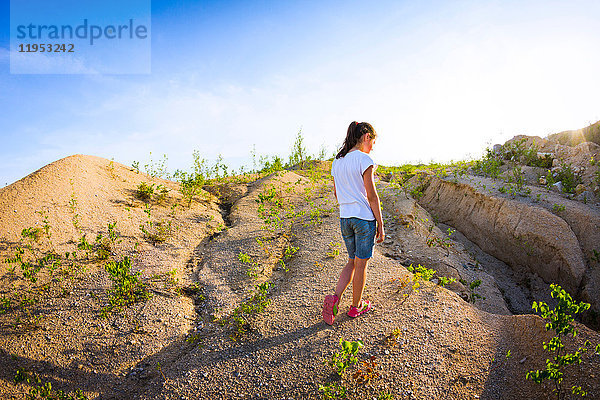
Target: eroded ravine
527	236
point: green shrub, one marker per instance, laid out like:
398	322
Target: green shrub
560	320
157	168
238	319
489	165
566	174
127	286
342	360
144	191
299	153
157	231
271	165
333	390
33	234
189	185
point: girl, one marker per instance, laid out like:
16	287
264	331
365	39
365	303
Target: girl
360	216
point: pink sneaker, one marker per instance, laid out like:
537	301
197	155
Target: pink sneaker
330	308
365	305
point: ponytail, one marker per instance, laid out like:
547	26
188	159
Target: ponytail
355	132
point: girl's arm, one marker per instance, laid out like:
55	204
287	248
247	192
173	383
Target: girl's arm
373	199
334	192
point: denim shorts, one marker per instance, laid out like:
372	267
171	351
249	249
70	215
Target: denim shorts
359	236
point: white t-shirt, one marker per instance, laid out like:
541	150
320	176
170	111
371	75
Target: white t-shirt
350	186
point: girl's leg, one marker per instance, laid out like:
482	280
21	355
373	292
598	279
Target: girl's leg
345	278
359	279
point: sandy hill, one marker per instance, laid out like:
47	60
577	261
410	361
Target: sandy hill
222	297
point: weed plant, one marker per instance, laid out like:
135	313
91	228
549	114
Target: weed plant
367	373
473	296
73	208
443	281
567	176
392	339
147	192
514	190
44	390
171	282
299	153
270	207
560	320
144	191
516	177
334	249
595	256
420	273
156	231
157	169
111	169
127	286
238	319
288	253
340	362
489	165
192	183
270	165
518	152
333	390
30	267
433	241
253	266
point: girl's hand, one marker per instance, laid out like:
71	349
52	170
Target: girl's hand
380	233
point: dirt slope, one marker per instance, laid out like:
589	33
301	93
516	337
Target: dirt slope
590	133
446	347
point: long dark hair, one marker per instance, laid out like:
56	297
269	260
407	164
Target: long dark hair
355	131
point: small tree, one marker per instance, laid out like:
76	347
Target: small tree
299	153
560	320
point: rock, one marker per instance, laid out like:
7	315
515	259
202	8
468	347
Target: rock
585	197
558	186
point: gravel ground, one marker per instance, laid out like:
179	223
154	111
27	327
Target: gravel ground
173	346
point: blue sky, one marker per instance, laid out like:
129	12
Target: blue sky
439	80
